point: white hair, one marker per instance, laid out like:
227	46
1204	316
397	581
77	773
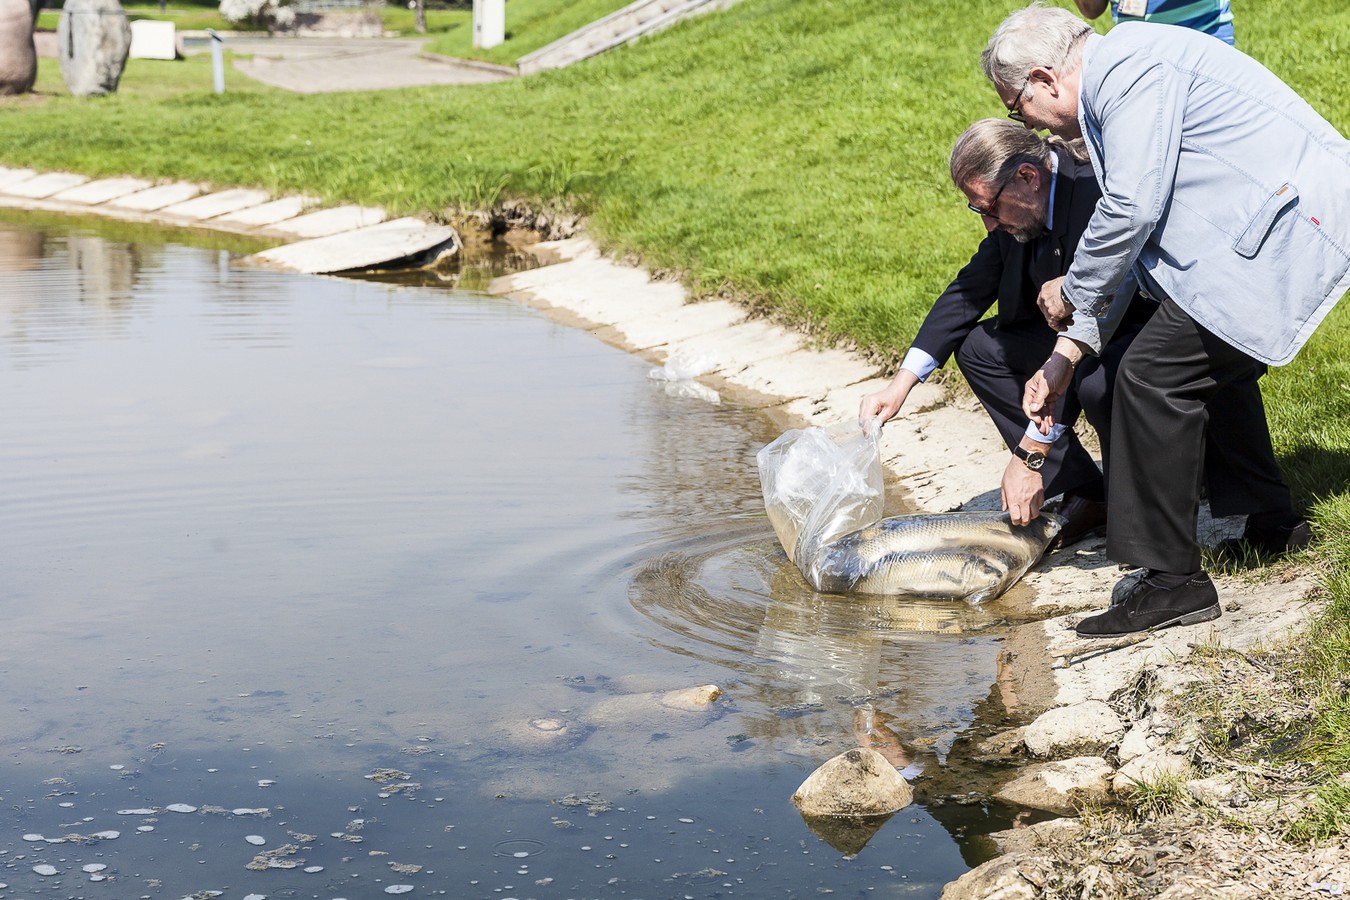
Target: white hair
1044	36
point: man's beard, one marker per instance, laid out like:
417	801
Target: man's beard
1028	233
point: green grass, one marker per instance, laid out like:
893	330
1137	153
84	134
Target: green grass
530	24
791	154
187	15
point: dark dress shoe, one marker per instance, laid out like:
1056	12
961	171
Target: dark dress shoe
1082	518
1266	540
1145	604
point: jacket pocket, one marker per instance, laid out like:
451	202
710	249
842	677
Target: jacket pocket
1251	238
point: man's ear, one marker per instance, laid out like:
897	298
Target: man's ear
1031	174
1048	76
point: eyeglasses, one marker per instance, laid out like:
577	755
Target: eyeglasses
988	212
1015	111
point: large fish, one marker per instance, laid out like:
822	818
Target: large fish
970	556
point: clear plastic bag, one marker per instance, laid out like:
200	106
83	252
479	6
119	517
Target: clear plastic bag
821	484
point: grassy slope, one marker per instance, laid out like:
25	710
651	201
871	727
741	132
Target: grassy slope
530	24
789	153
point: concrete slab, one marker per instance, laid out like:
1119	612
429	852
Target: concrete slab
158	197
45	185
601	292
689	321
359	249
830	404
14	176
269	213
101	191
802	373
734	349
331	221
216	204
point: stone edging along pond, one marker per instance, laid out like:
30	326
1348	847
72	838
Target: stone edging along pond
942	453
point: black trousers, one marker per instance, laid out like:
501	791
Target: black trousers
1187	406
997	363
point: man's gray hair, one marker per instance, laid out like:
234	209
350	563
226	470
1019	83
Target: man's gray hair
991	150
1045	36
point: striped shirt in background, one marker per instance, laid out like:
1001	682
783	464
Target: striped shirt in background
1210	16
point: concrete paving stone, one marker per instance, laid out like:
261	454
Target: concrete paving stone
44	185
736	347
690	320
831	403
604	293
101	191
359	249
14	176
158	197
568	249
803	373
219	203
331	221
269	213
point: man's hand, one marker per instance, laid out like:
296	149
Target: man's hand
886	402
1023	491
1044	389
1058	313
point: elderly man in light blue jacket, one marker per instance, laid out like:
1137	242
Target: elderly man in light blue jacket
1228	198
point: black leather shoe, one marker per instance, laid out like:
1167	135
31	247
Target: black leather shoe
1146	605
1275	540
1082	518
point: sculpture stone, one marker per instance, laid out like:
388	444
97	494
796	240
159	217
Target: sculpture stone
93	39
18	56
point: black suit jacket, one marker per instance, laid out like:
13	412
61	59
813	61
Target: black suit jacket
1010	273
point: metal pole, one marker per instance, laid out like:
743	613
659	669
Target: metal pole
217	62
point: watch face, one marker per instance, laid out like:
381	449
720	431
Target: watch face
1032	459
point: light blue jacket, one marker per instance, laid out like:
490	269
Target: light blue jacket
1221	189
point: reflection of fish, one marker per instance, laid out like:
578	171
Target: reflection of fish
954	556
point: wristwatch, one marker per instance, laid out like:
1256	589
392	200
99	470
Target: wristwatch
1032	459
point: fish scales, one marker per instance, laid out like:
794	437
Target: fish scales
968	556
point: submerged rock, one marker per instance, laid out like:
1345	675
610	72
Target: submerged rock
654	706
859	782
550	733
692	699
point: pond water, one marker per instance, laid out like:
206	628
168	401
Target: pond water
326	588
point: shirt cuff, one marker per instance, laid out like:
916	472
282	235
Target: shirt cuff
920	363
1035	433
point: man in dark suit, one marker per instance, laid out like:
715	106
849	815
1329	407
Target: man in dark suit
1035	198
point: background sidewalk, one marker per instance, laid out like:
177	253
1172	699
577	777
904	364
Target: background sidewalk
312	65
